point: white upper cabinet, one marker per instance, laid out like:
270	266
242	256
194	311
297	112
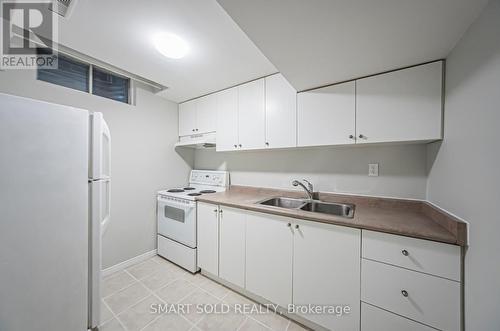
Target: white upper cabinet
281	113
251	115
227	120
327	116
198	116
400	106
206	113
187	118
403	105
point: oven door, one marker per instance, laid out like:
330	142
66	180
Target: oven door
177	220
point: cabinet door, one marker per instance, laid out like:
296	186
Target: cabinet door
232	245
227	120
326	271
187	118
404	105
269	257
427	299
375	319
425	256
206	114
281	113
208	237
251	115
327	116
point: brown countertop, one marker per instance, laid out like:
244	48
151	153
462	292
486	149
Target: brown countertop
417	219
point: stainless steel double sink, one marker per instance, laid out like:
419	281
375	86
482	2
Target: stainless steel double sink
315	206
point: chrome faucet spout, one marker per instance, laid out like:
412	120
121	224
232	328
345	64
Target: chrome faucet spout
309	188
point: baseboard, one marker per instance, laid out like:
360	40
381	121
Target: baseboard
128	263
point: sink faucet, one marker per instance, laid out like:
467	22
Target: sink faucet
309	189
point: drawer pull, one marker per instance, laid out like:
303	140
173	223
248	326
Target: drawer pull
404	293
405	252
289	224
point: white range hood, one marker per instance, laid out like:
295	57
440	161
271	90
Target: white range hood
203	140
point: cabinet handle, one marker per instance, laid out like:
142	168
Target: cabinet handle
215	210
220	211
405	252
404	293
235	146
267	144
351	136
193	130
196	129
289	224
239	145
296	226
361	136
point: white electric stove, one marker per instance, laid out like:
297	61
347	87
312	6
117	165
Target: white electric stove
176	212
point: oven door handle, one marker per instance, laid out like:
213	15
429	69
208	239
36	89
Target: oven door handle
179	205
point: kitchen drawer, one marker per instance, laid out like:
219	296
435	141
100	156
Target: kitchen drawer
376	319
430	300
416	254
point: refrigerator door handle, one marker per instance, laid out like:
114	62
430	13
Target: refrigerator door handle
100	164
99	220
107	211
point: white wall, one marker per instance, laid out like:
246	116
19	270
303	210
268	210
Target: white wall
143	157
336	169
464	173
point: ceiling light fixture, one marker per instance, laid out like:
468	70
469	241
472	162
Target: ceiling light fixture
170	45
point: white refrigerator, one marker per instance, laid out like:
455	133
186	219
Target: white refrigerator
54	209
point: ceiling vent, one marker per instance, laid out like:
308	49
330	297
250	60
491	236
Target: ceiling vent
62	7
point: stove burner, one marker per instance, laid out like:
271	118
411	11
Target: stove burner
175	190
207	191
189	188
194	194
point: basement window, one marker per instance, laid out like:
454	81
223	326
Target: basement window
88	78
108	85
70	73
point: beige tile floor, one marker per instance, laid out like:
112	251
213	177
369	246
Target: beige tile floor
128	296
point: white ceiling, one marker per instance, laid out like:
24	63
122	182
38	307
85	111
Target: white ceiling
318	42
119	32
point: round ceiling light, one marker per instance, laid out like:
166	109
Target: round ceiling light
170	45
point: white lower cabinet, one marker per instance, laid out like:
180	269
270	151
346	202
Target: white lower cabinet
428	299
425	256
269	250
232	245
207	228
376	319
299	264
326	272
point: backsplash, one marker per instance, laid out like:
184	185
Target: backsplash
402	170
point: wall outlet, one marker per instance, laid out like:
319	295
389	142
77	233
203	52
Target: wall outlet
373	169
